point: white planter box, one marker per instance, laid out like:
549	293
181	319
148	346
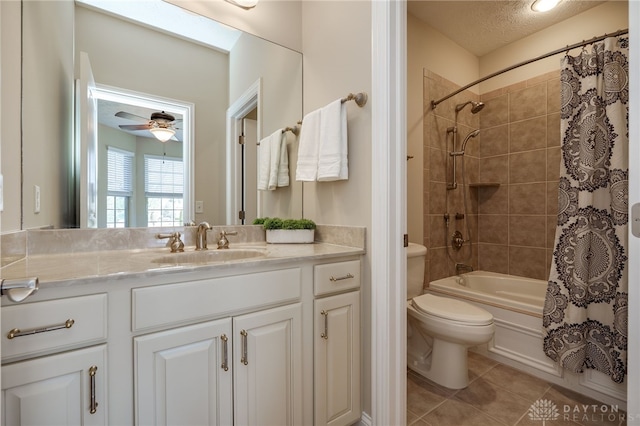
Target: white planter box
290	236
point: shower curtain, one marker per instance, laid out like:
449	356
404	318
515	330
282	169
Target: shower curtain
585	311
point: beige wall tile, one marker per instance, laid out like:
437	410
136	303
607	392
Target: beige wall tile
528	103
530	166
494	169
552	225
528	134
552	198
529	231
553	129
492	229
553	164
493	200
438	229
494	141
437	198
528	198
553	95
495	112
493	258
438	164
528	262
440	264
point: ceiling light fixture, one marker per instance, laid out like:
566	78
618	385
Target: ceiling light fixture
544	5
163	134
245	4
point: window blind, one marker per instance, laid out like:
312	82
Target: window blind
163	175
119	171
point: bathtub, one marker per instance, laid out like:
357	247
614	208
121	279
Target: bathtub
519	294
516	305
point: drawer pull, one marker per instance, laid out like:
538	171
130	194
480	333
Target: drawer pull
16	332
225	356
346	277
325	335
93	405
243	359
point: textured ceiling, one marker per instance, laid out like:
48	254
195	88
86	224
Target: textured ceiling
482	26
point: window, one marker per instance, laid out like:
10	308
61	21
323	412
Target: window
119	186
164	181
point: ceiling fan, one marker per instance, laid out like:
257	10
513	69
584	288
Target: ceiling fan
161	124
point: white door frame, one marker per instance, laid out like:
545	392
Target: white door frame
250	99
388	209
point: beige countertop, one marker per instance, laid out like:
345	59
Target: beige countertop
82	268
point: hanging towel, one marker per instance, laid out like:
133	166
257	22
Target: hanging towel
283	165
332	152
269	153
307	166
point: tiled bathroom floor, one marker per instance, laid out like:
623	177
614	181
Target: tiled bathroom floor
499	395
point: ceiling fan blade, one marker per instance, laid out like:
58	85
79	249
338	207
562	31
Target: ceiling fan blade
129	116
134	126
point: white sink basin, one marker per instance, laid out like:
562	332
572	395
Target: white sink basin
208	256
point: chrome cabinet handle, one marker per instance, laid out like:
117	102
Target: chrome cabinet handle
225	359
93	405
345	277
325	335
16	332
243	359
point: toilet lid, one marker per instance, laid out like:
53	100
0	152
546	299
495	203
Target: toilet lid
452	309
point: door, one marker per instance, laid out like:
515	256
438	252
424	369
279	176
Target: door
184	376
64	389
249	171
337	359
87	144
267	350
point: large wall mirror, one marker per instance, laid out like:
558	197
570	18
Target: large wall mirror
155	57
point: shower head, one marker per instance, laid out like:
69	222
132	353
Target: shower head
469	136
476	107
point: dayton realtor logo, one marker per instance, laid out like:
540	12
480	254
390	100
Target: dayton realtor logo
545	410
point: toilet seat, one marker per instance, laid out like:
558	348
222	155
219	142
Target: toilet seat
451	310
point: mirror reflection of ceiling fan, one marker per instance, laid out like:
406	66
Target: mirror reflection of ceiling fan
160	124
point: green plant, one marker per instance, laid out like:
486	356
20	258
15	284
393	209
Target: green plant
277	223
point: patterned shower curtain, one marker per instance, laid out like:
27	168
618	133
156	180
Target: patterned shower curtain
585	311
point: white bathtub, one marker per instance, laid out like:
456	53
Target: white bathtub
516	305
525	295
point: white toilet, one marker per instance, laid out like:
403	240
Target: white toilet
440	329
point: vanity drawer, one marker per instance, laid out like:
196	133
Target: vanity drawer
336	277
191	301
54	325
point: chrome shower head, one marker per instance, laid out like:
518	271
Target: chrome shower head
469	136
476	107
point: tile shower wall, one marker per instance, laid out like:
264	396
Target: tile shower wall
512	168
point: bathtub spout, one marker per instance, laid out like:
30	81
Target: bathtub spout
461	268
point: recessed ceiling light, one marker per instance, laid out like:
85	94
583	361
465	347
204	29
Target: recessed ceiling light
544	5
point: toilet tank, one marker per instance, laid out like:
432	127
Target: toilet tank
416	255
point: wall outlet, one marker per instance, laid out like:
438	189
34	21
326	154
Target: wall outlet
36	199
199	206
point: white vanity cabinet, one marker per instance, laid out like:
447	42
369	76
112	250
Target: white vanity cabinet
243	368
337	343
66	386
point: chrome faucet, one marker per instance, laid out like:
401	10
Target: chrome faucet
201	236
175	242
223	242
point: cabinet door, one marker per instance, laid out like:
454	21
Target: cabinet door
267	349
57	389
337	359
182	376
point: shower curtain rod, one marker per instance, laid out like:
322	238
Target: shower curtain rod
537	58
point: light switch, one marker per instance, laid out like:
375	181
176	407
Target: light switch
635	220
199	206
36	199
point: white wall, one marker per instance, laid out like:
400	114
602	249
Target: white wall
605	18
336	42
280	71
143	60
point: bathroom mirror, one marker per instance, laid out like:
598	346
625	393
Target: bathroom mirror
146	58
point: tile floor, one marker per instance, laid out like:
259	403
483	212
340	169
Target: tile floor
499	395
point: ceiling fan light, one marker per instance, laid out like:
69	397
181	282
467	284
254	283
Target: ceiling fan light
245	4
163	134
544	5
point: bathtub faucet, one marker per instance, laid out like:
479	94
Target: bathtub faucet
461	268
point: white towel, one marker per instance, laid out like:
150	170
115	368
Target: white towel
308	145
332	153
270	157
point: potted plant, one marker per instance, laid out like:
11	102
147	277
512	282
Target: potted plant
287	231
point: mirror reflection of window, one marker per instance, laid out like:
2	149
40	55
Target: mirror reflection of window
164	179
119	186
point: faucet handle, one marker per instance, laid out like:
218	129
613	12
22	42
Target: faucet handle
223	242
175	242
